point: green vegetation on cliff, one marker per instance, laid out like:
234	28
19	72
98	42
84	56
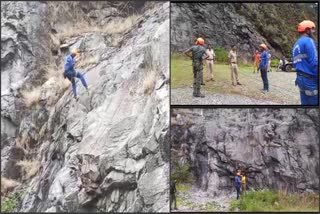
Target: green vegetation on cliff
278	22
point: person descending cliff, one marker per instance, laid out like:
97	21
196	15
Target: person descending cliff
71	73
173	191
198	54
237	184
305	62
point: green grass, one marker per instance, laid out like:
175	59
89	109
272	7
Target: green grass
210	206
190	205
270	200
11	202
184	188
182	77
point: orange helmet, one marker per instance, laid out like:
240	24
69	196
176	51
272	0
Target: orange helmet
263	46
200	41
304	25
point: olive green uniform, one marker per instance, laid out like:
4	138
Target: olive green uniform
197	54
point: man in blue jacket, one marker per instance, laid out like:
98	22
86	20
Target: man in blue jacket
71	73
263	66
237	184
305	62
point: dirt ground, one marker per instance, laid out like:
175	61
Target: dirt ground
221	92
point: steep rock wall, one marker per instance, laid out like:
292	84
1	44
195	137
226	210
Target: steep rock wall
277	148
109	151
245	25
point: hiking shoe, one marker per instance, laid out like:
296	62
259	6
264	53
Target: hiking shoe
88	92
203	84
76	97
238	83
199	95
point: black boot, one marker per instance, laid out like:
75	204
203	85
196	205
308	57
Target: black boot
199	95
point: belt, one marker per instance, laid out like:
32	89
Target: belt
301	73
233	62
209	59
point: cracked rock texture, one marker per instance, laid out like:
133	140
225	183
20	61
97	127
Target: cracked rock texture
277	148
110	150
245	25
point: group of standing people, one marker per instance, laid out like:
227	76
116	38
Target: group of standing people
305	62
240	183
262	63
199	53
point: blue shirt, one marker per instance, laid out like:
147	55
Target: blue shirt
69	63
305	56
264	60
237	182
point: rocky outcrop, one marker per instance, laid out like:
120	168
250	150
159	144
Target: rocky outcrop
109	151
245	25
277	148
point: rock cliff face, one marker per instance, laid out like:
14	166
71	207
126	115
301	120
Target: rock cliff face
109	151
277	148
245	25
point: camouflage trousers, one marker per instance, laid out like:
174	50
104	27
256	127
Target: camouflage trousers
197	77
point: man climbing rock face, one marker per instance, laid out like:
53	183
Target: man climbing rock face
198	54
71	73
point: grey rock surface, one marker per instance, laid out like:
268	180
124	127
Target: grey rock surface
277	148
109	151
245	25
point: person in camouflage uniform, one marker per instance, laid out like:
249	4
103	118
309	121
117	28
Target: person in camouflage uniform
198	54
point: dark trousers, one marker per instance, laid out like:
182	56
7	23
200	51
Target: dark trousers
238	192
74	74
197	77
173	199
305	83
264	76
